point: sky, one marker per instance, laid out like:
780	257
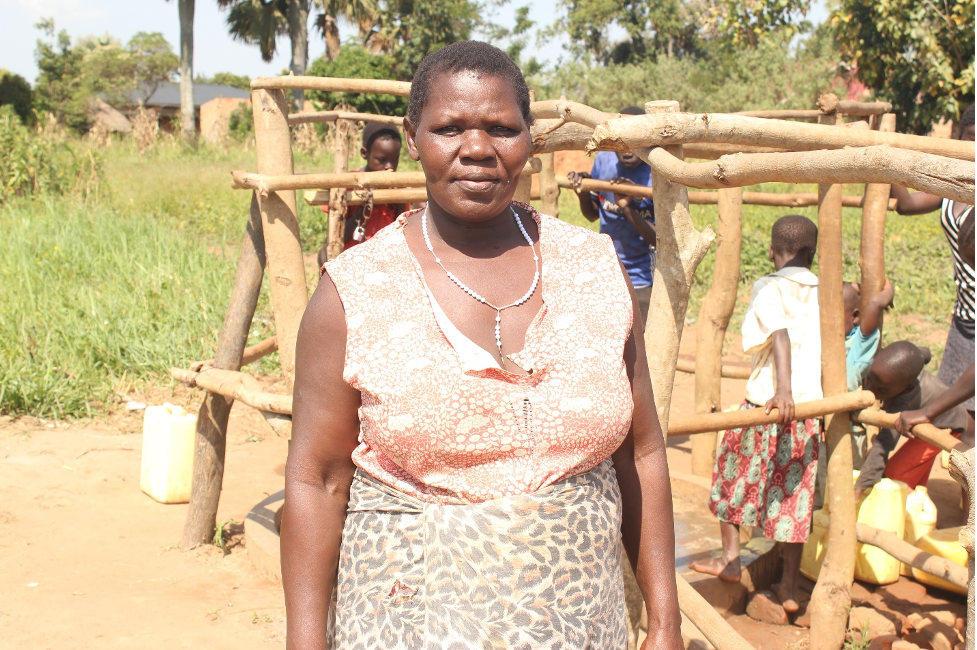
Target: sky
214	49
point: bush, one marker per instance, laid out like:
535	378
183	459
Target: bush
354	61
17	93
35	163
240	123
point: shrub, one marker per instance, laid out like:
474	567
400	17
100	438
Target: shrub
16	92
355	61
240	123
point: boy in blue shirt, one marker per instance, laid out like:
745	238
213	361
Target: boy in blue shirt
629	221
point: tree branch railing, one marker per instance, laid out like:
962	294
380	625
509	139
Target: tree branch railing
319	117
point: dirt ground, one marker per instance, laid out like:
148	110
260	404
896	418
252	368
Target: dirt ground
88	561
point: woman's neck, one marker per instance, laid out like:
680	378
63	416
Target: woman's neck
462	234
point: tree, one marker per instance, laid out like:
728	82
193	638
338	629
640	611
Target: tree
362	14
188	113
16	92
917	55
59	88
359	63
240	81
261	22
412	29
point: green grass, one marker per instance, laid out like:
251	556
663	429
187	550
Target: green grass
115	293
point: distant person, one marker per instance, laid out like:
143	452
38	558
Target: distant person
765	475
861	345
629	221
958	353
900	382
381	151
962	389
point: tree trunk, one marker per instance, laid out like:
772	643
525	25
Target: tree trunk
188	113
330	32
680	249
283	245
710	331
337	206
298	33
872	256
962	471
832	596
549	189
208	459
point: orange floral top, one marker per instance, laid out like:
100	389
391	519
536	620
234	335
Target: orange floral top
443	434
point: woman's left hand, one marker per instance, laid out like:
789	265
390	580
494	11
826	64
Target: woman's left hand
664	639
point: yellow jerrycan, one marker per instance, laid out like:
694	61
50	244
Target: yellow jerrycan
168	436
946	544
920	519
812	555
882	508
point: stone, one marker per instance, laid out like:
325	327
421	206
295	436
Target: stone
902	593
902	644
764	606
869	623
803	616
918	641
883	642
939	636
943	616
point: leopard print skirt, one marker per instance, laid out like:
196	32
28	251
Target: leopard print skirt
532	571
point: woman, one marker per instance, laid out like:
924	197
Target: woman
474	429
959	351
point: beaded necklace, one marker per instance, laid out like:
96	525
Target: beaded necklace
480	298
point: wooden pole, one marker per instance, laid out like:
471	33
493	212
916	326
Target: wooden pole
962	470
634	132
680	248
705	422
208	460
926	432
831	598
549	187
251	353
283	246
525	183
319	117
872	257
727	370
337	204
945	177
333	85
707	620
710	331
905	552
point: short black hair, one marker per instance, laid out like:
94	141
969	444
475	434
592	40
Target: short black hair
794	234
965	239
966	119
901	360
374	130
851	295
632	110
471	56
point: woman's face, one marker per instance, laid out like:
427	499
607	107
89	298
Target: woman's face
473	143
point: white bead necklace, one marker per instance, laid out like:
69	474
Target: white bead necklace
480	298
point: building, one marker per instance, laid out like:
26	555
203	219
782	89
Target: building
219	100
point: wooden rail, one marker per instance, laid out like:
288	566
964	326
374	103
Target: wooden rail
312	117
925	432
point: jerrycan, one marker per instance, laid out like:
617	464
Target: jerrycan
168	436
882	508
812	556
944	543
920	519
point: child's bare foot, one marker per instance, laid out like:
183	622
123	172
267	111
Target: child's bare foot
727	571
787	599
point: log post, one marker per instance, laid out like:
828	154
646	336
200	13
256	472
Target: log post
710	330
337	206
549	190
872	255
962	471
832	594
525	183
283	246
680	249
208	457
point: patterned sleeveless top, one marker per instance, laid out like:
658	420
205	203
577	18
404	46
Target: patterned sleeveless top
443	434
963	273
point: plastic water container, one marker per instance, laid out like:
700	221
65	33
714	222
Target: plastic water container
882	508
946	544
812	556
168	436
920	519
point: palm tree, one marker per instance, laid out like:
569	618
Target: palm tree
261	22
187	111
361	13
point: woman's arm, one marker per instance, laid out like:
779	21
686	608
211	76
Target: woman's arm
915	203
648	528
319	470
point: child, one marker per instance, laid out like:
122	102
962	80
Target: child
628	221
861	344
765	475
899	381
381	150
